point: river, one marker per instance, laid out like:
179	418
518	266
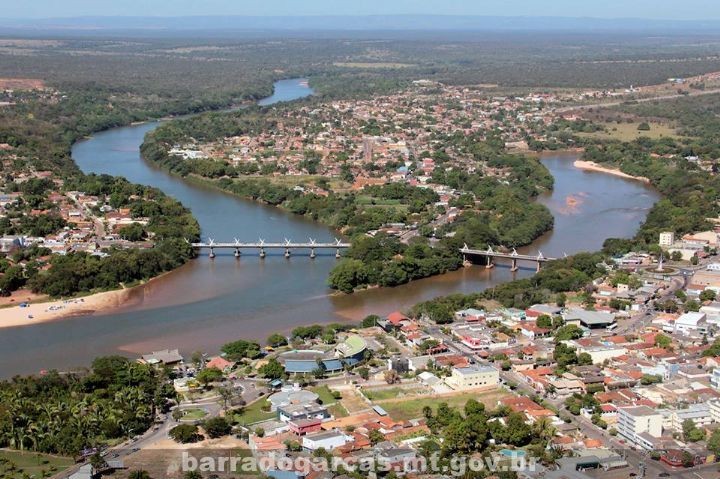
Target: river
207	302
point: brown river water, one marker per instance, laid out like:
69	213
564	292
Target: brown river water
207	303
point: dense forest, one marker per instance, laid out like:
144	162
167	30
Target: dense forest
184	69
64	414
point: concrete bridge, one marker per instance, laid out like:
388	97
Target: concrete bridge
490	255
261	246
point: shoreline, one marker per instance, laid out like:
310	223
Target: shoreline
44	312
67	308
592	166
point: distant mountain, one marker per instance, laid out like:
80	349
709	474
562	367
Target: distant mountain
354	23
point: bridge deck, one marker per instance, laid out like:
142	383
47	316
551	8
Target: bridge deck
271	245
495	254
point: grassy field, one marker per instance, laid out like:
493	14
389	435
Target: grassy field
193	414
325	394
629	131
338	410
294	180
254	413
405	409
372	200
327	398
390	393
15	464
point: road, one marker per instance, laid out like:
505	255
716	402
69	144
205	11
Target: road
640	100
249	390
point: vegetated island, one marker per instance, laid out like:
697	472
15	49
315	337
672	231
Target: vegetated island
410	177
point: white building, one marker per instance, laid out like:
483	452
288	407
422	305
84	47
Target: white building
598	353
667	239
327	440
712	313
691	323
473	376
714	405
640	425
715	379
698	413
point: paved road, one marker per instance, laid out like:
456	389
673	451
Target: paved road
640	100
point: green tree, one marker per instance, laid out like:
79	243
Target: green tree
663	341
241	349
568	332
544	321
584	359
713	443
217	427
209	375
185	433
564	355
277	340
370	321
376	436
272	369
132	232
347	275
708	295
691	432
691	305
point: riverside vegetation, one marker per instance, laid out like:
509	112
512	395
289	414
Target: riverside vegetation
111	82
683	169
494	189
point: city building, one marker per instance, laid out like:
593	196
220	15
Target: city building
328	440
296	412
715	378
698	413
473	376
640	425
165	357
667	239
691	323
589	319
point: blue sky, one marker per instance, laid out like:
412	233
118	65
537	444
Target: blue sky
656	9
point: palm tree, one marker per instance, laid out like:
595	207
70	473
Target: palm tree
544	429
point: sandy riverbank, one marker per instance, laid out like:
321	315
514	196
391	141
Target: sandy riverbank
36	313
592	166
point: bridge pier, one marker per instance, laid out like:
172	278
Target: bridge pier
287	252
212	253
312	253
262	252
514	266
237	252
539	264
337	253
490	263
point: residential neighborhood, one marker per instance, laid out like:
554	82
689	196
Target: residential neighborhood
616	380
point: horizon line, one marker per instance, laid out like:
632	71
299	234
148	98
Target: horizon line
346	15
